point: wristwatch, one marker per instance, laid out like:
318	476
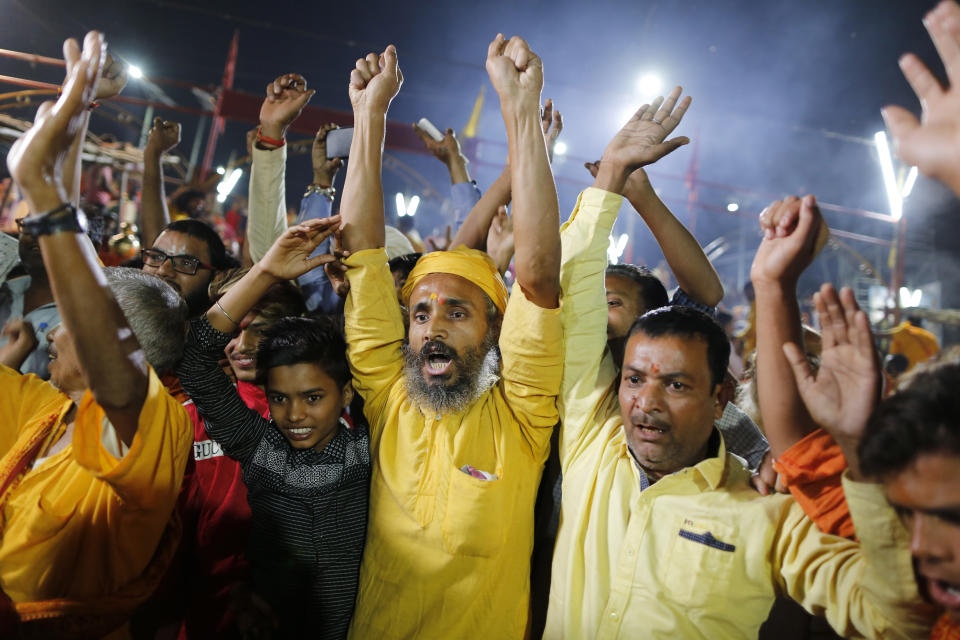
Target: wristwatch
66	217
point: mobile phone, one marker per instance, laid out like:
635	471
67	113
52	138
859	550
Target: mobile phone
427	127
338	142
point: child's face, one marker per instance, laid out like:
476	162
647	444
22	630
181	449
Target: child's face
306	404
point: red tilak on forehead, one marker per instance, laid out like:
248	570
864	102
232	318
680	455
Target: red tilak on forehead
654	368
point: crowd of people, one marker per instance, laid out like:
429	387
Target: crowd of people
341	433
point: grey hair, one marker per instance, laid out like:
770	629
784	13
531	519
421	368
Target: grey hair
155	311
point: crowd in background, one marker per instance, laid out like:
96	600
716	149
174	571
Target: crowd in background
271	423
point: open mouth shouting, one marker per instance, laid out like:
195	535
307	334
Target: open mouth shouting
438	359
650	429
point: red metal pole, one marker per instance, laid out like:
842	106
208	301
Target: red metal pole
216	127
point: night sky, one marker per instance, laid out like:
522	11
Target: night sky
786	96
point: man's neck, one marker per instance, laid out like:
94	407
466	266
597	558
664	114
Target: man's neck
710	450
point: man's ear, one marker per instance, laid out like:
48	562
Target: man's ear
719	402
347	393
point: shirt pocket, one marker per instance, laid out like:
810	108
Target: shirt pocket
476	513
702	561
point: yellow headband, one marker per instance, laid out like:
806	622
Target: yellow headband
475	266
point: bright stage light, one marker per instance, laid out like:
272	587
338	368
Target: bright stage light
733	207
560	148
412	206
616	248
401	206
135	72
649	85
227	184
889	180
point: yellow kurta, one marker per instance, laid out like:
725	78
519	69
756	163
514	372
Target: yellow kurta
82	523
632	564
447	554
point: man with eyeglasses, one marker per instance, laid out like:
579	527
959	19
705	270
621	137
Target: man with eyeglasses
186	255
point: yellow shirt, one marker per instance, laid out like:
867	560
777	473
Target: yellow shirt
632	564
447	554
83	523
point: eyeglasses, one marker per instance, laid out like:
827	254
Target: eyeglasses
181	264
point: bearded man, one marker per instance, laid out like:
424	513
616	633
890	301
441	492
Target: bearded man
461	410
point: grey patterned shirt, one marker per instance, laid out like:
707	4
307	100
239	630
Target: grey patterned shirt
309	508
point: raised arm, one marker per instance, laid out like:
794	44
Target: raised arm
846	388
478	227
289	258
517	75
374	82
154	216
585	240
286	97
113	78
791	231
112	361
932	143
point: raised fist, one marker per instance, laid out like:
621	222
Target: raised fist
516	72
793	234
164	135
375	81
286	97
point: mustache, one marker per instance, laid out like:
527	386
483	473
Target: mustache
435	347
648	420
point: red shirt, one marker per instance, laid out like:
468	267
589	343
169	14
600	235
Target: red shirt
216	525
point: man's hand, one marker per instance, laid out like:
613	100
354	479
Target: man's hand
113	78
286	97
324	169
289	257
637	182
164	135
552	123
375	81
642	141
791	235
516	73
767	481
447	150
933	142
500	239
438	243
21	341
337	271
36	159
841	395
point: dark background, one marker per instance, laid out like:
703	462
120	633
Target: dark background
787	97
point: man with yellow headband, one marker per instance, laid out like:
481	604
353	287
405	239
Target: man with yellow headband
460	409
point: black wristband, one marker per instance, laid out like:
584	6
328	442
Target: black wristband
66	217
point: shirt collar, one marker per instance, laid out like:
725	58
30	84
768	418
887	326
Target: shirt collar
711	468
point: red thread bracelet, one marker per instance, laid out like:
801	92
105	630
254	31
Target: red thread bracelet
273	141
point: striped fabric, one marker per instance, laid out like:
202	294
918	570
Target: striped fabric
309	508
